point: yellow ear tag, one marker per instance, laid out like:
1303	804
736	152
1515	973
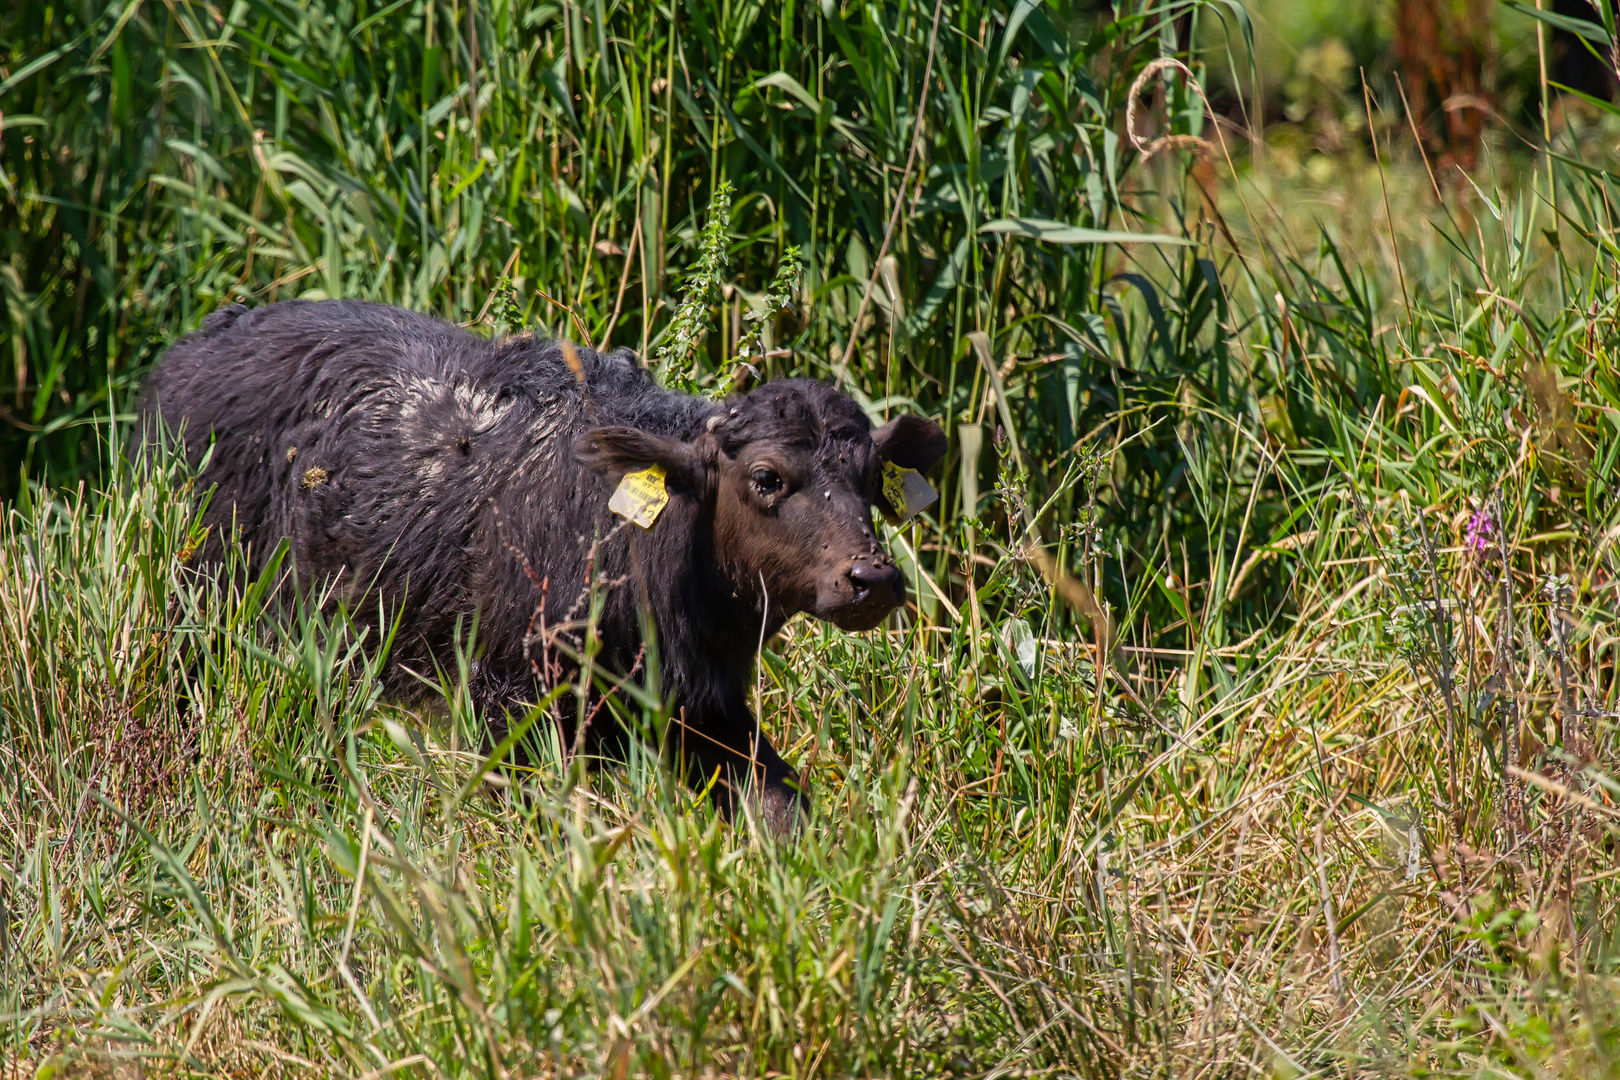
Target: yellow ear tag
641	496
907	492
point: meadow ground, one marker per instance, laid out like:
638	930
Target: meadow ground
1255	715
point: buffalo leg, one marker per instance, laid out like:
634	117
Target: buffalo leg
743	764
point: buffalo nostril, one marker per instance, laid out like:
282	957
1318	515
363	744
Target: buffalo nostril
870	579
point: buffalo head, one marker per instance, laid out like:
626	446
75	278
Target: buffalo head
790	473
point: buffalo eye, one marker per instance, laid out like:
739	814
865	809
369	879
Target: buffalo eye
766	481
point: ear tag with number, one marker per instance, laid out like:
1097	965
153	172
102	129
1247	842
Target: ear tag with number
641	496
907	492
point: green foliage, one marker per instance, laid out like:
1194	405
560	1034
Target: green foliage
1255	712
700	293
778	298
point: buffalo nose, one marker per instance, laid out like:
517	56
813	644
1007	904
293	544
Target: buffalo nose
872	580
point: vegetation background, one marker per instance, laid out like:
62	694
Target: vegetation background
1255	710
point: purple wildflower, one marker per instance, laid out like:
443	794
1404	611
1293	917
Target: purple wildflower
1481	527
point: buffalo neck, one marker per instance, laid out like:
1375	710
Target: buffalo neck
701	614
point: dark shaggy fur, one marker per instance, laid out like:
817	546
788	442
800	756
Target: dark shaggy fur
451	476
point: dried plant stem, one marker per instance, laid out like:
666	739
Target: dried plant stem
624	279
1335	960
1383	186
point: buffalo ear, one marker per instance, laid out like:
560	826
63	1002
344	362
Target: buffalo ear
618	450
911	442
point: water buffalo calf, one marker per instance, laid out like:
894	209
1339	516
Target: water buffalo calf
408	460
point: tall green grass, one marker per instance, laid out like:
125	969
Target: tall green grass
550	165
1255	713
